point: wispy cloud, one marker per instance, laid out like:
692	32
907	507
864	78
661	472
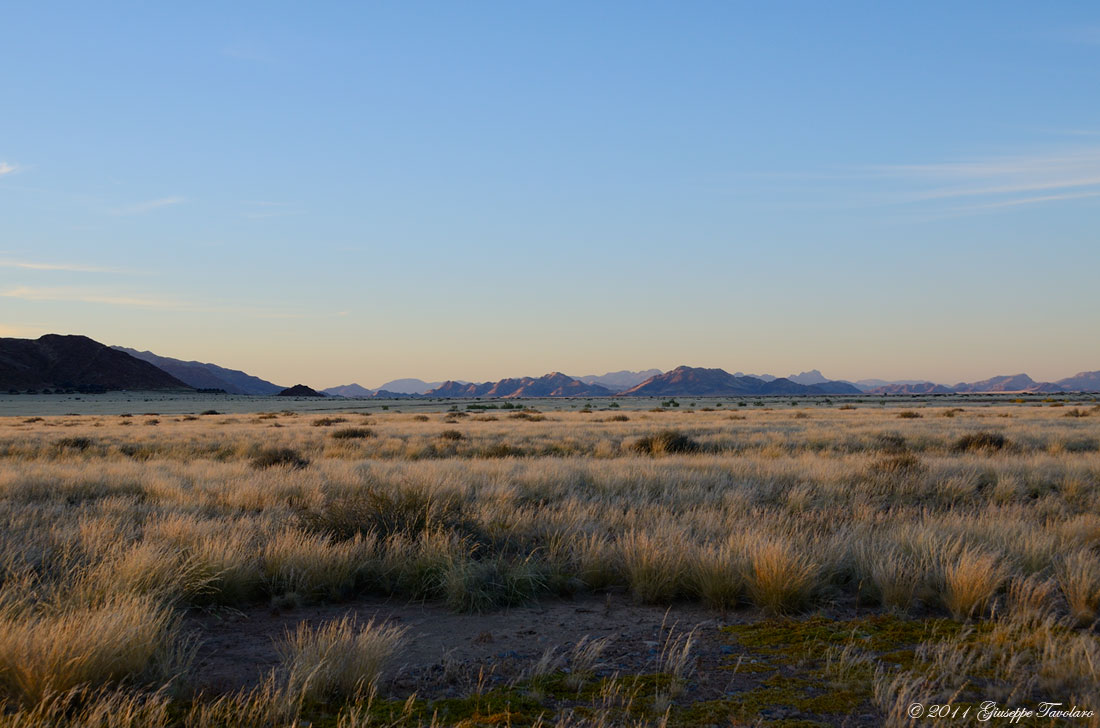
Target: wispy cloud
8	168
70	267
143	207
84	295
1000	182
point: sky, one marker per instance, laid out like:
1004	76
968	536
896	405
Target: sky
355	192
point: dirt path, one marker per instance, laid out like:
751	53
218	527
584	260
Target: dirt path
443	648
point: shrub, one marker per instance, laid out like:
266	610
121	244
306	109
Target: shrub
618	418
210	412
74	443
273	457
1075	412
339	659
453	435
666	442
909	415
900	464
352	433
531	417
327	421
979	441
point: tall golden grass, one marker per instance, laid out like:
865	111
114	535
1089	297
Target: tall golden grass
108	532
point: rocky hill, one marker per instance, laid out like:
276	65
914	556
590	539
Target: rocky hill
54	361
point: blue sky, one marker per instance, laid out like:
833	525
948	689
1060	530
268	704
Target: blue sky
356	192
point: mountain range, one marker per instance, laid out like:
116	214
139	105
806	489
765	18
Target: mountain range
206	376
78	363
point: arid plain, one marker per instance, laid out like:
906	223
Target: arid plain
792	565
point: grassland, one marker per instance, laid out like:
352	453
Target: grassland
855	560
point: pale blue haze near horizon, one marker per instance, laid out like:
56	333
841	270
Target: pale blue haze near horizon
331	193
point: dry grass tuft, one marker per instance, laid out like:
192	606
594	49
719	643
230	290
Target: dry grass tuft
780	578
1079	580
125	637
339	659
971	579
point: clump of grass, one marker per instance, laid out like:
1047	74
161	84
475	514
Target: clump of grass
210	412
909	415
666	442
891	443
453	435
618	418
1075	412
125	637
651	567
1079	580
529	416
480	586
779	577
716	575
312	566
420	418
352	433
900	464
584	660
284	457
340	659
387	512
74	443
980	441
327	421
971	579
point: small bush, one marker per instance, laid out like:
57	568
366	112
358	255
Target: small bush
420	418
666	442
453	435
531	417
352	433
1075	412
909	415
327	421
274	457
74	443
979	441
209	412
618	418
900	464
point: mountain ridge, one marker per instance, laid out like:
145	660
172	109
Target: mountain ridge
202	375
